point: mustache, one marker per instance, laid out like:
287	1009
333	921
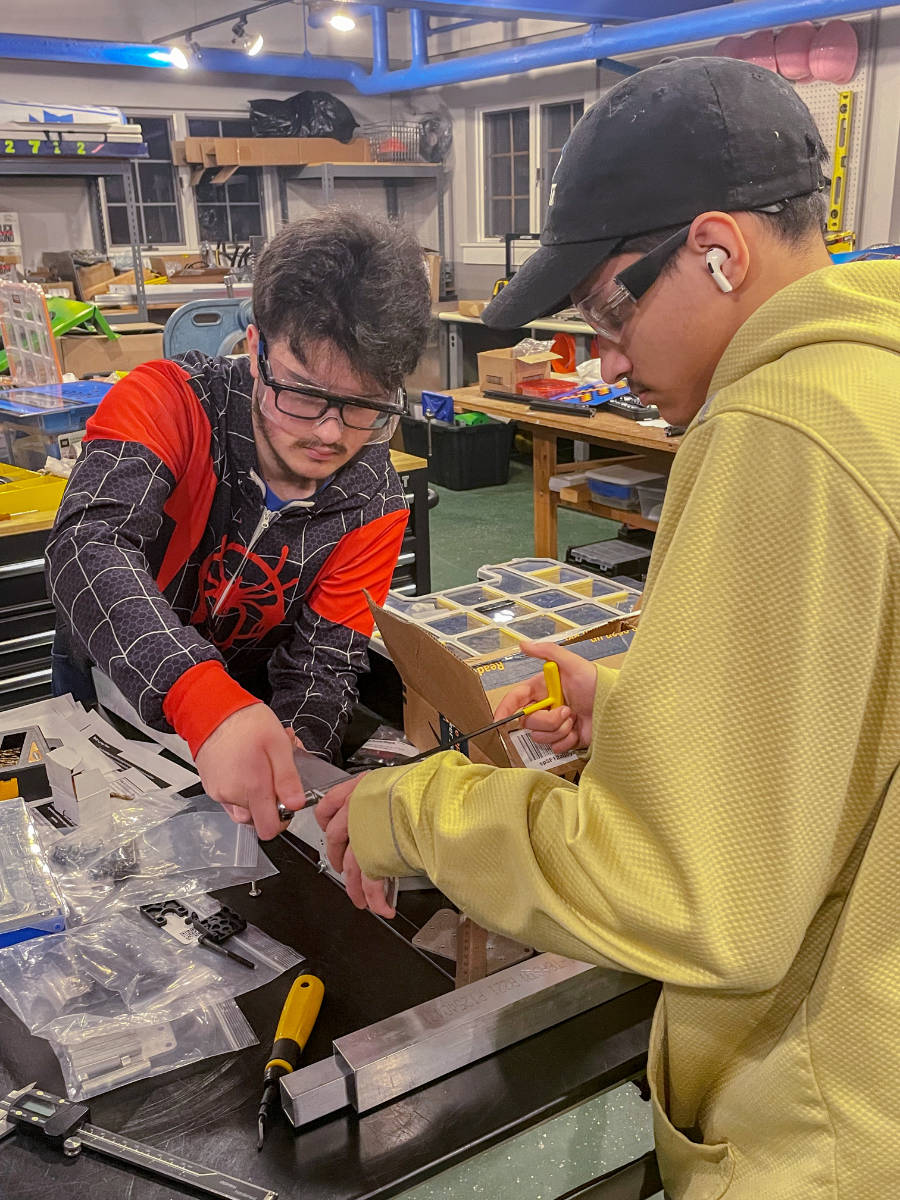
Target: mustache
315	444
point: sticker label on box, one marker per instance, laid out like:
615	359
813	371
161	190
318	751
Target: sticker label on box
534	755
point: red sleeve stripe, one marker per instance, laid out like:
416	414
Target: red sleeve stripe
363	561
156	406
201	699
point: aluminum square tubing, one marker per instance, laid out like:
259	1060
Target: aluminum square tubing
385	1061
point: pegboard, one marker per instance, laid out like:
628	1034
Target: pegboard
822	101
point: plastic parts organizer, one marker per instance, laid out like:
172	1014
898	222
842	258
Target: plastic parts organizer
30	903
536	598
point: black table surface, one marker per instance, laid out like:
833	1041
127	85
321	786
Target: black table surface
207	1112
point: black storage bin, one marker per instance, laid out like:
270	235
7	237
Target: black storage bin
610	558
462	456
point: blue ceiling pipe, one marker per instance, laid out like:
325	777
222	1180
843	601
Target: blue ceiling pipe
597	42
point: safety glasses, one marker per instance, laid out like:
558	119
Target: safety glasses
307	402
609	307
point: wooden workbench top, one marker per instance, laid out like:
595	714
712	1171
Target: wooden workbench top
602	427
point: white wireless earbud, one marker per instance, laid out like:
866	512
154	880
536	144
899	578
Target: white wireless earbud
714	259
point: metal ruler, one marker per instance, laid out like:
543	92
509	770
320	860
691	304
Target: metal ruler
397	1055
63	1123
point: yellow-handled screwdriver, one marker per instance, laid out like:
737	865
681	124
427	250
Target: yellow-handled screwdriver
294	1027
553	699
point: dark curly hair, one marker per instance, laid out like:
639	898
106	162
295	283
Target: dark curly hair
347	278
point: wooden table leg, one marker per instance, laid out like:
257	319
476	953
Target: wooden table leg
545	501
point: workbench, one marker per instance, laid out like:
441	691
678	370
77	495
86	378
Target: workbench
547	428
207	1112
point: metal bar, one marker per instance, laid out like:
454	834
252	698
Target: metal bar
418	38
134	236
380	49
394	1056
433	29
652	32
233	16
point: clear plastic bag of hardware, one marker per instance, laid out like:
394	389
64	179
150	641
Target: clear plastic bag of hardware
125	963
132	891
90	861
135	855
109	968
98	1054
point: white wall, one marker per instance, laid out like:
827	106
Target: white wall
198	93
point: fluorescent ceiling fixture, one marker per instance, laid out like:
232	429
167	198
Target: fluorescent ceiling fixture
342	22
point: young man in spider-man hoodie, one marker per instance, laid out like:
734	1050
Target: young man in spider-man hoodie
226	516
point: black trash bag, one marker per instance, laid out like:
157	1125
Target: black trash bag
271	118
307	114
435	138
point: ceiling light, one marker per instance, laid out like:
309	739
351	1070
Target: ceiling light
178	58
342	22
246	39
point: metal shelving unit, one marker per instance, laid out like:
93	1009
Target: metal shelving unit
92	170
393	175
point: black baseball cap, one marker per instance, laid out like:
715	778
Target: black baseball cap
674	140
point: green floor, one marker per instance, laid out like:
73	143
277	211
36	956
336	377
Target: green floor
469	529
491	525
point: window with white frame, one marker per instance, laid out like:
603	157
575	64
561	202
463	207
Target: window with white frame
230	211
155	189
521	147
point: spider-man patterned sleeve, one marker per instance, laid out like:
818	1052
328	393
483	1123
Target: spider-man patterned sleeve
143	474
314	676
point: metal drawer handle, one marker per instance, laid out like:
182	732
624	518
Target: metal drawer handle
14	681
28	566
44	638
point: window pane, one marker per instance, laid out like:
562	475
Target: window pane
213	222
522	221
520	174
202	127
118	225
157	185
115	189
236	128
244	222
496	127
161	223
520	129
500	179
558	122
243	188
156	135
500	211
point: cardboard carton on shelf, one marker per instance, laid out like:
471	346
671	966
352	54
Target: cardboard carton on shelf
501	370
85	353
433	267
268	152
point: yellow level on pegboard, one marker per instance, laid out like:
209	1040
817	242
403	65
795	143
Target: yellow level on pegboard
839	158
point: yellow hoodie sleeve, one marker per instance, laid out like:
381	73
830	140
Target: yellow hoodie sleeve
727	779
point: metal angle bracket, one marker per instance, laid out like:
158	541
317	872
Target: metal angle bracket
393	1057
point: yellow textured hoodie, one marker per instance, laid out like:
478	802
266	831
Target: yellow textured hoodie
736	833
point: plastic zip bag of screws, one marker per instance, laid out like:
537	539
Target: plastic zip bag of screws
97	1054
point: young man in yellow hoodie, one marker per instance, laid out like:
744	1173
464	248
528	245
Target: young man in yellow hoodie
735	833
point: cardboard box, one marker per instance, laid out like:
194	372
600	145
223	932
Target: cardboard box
62	287
265	152
94	354
500	370
444	694
169	264
472	308
433	267
90	281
